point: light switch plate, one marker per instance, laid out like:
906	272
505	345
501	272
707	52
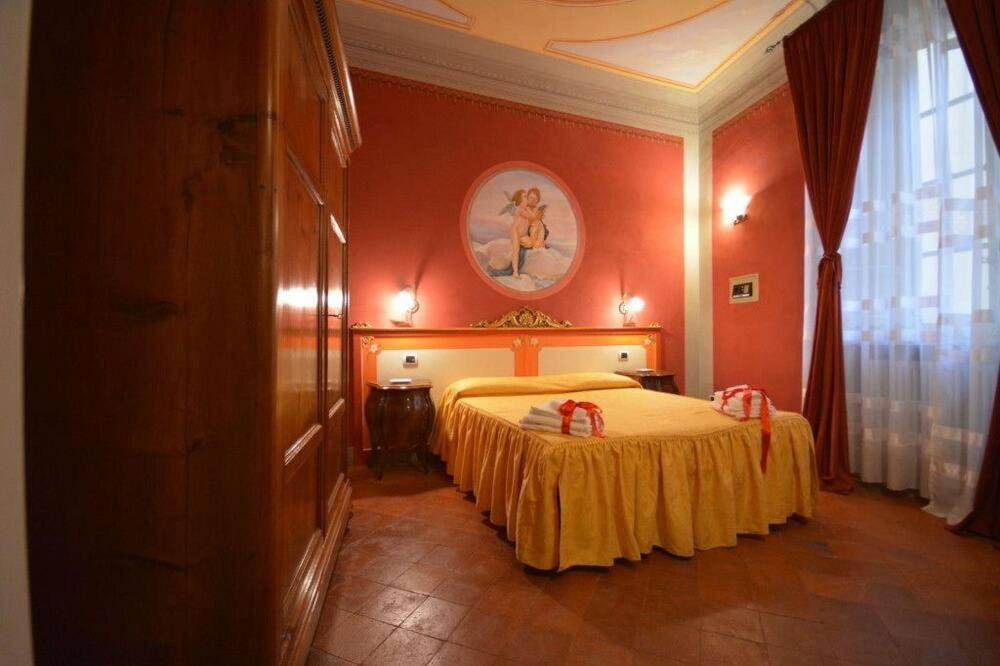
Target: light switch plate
744	288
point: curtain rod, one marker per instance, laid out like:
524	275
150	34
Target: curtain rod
770	49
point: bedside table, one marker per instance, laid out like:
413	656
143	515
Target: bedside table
653	380
399	418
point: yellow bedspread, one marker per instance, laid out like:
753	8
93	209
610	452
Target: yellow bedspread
672	472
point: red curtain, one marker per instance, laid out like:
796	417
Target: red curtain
831	66
977	23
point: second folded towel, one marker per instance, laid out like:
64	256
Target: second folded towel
555	425
581	419
551	408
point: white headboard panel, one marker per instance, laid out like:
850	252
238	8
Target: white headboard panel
443	366
596	358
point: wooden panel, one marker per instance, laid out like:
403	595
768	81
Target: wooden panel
301	287
310	382
334	448
298	317
335	299
336	346
144	326
297	646
299	518
302	97
164	221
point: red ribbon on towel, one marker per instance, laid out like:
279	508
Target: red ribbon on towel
593	411
765	415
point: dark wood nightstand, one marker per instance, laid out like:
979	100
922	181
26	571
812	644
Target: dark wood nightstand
653	380
399	418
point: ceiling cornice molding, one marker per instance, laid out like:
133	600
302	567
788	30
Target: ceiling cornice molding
518	76
731	100
397	46
753	76
513	107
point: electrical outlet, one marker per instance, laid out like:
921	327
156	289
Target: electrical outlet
410	360
623	356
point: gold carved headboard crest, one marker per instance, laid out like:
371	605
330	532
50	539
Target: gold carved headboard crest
523	317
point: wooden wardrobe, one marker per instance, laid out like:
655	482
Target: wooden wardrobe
185	239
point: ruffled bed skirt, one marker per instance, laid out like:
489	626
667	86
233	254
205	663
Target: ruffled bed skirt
588	502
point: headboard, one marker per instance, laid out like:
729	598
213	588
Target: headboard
524	342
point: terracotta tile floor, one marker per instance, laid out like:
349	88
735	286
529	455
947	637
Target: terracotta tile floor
422	579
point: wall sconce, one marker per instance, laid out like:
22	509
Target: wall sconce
629	306
734	206
404	305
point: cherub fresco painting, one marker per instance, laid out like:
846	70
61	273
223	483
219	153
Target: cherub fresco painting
527	232
523	230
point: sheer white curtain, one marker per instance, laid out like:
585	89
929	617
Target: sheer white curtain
921	257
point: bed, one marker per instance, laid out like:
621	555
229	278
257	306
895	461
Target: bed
671	472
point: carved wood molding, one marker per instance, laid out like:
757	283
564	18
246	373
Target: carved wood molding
369	344
345	132
523	317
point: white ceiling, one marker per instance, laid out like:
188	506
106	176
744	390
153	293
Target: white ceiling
676	43
441	52
685	54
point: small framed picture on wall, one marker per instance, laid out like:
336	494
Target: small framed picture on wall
744	288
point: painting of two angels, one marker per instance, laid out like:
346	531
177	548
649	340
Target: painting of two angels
523	230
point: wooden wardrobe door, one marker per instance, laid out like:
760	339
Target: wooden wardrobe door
185	490
301	159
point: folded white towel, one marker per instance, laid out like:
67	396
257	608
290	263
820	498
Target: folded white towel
546	410
555	421
734	407
539	423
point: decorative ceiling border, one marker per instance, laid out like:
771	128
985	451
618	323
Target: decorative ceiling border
516	108
583	3
787	10
735	97
389	5
760	106
420	51
541	91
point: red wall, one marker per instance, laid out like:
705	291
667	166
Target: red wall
424	146
760	343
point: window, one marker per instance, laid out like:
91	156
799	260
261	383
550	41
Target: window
921	257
